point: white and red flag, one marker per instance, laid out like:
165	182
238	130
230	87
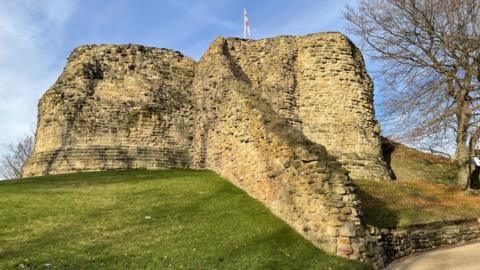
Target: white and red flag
246	25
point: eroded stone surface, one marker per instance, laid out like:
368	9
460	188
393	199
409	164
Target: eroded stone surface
319	84
116	107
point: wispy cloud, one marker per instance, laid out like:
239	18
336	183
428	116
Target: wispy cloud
31	34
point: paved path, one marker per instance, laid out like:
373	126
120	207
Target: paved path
466	257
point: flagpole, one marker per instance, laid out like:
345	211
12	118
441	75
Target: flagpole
246	25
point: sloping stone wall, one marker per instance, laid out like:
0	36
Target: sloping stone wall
252	145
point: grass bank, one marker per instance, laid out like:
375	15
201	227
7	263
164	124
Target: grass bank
410	164
174	219
424	191
406	202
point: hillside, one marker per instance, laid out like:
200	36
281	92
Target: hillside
410	164
424	191
174	219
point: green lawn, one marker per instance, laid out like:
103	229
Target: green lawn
98	221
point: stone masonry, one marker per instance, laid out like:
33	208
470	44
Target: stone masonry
290	120
386	245
319	85
116	107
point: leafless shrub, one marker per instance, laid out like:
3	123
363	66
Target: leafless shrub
12	162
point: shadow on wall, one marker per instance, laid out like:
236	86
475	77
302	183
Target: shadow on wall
387	149
272	120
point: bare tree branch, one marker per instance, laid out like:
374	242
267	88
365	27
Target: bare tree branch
429	52
11	164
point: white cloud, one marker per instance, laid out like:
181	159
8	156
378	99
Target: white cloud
31	36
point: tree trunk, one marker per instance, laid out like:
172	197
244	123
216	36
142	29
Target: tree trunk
462	153
464	166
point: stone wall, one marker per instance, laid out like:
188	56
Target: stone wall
116	107
319	84
286	119
387	245
129	103
248	142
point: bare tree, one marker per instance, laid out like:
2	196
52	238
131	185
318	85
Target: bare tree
430	61
11	164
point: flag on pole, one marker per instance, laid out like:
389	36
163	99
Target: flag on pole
246	25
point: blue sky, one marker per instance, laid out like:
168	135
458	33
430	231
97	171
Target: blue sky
36	36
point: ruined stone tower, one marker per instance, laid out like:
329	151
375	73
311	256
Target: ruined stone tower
287	119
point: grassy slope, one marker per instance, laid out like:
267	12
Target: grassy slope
97	221
410	164
424	191
406	202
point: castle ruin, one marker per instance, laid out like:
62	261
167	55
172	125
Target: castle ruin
290	120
